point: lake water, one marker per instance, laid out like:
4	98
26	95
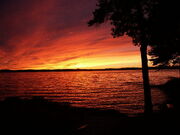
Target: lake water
121	90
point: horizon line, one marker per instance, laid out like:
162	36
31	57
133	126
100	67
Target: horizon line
79	69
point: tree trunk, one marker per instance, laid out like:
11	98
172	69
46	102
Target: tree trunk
147	92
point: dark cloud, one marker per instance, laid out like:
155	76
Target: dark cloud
51	18
35	32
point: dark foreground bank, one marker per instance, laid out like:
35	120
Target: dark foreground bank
38	114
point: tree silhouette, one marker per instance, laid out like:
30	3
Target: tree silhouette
165	34
165	55
153	23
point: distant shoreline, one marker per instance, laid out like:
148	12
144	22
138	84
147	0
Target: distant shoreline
106	69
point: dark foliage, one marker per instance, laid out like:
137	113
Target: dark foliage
149	22
166	55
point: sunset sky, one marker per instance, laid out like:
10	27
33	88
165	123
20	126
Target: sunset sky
53	34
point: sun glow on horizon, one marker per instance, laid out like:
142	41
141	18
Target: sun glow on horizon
51	40
95	62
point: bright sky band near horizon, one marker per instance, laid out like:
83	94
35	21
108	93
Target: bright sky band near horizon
53	34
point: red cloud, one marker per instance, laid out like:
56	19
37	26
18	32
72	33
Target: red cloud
54	34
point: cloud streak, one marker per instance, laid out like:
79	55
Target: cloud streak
41	34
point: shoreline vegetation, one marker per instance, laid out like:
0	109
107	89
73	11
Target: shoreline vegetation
39	114
105	69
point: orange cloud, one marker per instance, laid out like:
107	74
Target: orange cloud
54	34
